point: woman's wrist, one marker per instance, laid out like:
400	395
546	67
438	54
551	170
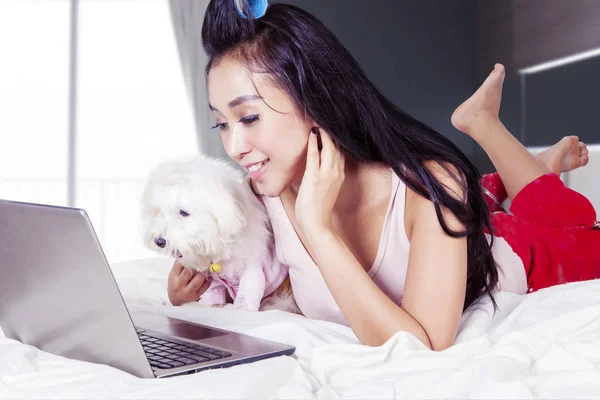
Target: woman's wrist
319	238
314	231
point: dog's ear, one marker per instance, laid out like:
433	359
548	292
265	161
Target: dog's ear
228	212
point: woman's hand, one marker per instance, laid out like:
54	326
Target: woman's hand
320	185
185	286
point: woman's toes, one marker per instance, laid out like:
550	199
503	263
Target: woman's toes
499	72
584	160
495	78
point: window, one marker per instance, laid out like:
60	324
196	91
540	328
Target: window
131	109
34	75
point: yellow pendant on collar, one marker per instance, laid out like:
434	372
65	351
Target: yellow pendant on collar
215	267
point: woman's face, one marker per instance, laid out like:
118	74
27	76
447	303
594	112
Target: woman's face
267	136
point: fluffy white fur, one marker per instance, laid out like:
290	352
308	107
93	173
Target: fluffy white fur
227	223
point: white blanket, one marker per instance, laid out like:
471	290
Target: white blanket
542	345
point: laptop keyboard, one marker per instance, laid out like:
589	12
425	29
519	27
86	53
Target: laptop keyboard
165	354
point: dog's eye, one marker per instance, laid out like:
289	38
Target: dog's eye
184	213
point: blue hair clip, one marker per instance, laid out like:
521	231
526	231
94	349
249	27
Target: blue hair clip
258	8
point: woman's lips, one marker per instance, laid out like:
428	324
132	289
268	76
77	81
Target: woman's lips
256	174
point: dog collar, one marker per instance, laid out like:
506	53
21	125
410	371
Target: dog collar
215	267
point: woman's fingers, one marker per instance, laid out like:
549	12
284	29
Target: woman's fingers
189	289
184	277
332	158
338	159
196	283
312	154
341	161
327	152
176	269
203	288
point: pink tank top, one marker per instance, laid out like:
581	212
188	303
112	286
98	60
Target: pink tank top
388	271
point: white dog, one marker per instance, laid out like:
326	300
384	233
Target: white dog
202	212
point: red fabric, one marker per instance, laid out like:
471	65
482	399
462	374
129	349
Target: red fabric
552	229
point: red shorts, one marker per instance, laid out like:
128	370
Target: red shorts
553	229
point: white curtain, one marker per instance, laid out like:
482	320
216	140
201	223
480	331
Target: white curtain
187	16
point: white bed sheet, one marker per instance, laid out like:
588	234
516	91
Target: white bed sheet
543	345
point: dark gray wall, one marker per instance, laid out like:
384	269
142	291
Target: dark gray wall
525	32
420	53
563	101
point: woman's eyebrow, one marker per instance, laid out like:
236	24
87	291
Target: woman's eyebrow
237	101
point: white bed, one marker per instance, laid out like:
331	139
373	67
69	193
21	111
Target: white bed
543	345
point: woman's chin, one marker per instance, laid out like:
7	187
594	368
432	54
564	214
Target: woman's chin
273	185
264	191
268	190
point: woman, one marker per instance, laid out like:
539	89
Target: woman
381	220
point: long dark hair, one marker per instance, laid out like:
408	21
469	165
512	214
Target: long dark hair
326	83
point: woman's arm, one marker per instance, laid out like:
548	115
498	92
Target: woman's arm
436	279
434	290
373	316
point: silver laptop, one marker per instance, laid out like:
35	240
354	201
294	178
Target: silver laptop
57	293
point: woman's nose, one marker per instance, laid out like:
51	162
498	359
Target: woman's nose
238	145
160	242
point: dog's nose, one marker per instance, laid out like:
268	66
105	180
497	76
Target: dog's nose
160	242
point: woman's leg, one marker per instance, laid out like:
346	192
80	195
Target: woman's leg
542	205
478	117
562	157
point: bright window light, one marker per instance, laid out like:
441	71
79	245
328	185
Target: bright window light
131	108
132	113
560	62
34	75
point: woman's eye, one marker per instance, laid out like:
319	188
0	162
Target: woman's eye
184	213
220	125
249	120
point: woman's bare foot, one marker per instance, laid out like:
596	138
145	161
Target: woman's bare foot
566	155
484	103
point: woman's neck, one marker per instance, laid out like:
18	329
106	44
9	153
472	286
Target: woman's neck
355	190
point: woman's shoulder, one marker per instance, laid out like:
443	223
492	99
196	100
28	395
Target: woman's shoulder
418	207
